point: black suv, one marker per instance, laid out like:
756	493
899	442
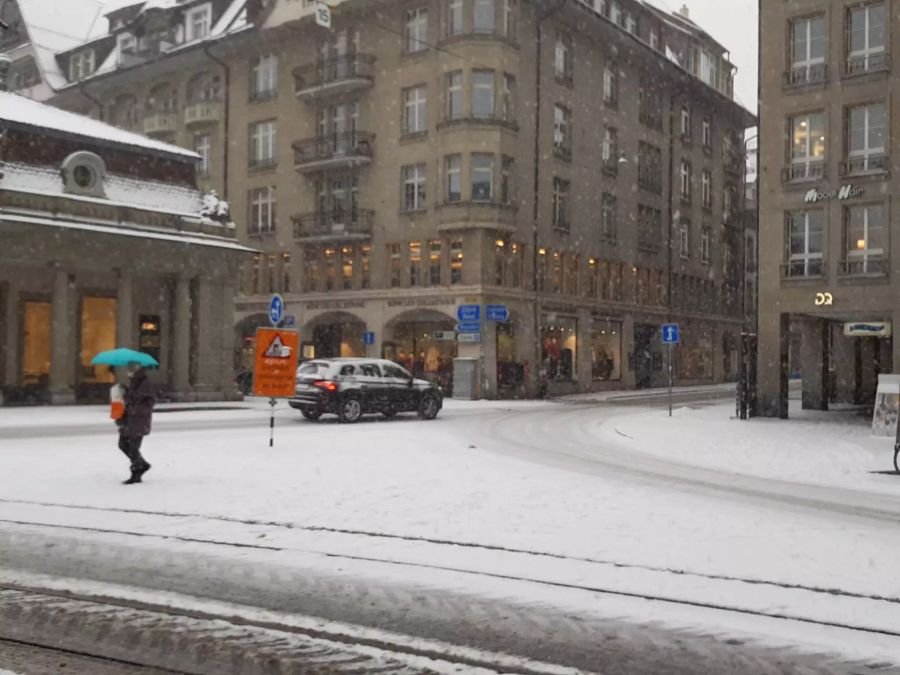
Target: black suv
351	388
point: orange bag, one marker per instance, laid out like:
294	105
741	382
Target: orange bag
116	402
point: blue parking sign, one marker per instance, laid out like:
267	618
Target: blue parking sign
368	338
670	335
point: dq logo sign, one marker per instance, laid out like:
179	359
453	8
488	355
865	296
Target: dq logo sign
824	299
843	193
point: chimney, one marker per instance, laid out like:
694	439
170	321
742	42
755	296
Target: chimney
684	12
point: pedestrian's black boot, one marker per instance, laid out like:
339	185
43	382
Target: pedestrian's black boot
135	478
145	467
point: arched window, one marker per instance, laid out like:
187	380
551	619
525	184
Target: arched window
163	98
204	87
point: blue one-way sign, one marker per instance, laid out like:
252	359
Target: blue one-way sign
468	327
670	334
468	312
497	313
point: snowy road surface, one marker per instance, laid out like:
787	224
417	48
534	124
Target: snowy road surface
560	533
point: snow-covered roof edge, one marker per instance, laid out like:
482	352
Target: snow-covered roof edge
26	112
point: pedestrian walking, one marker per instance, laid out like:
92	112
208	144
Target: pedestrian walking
136	422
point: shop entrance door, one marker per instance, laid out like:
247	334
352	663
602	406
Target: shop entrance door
643	355
36	340
98	334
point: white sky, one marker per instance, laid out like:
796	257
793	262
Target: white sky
734	24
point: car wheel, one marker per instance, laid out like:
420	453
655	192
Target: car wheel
350	409
310	413
428	407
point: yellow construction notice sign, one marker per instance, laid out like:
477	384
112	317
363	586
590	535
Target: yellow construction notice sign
275	371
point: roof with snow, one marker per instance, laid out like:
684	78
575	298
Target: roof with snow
26	112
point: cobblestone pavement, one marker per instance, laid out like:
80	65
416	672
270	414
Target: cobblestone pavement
220	645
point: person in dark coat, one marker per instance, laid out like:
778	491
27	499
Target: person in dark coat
139	402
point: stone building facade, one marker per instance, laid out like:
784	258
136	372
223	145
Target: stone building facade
419	156
105	242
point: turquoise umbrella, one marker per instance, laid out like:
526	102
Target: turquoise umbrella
122	357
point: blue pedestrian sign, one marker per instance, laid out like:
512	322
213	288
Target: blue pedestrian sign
497	313
276	310
468	327
289	320
670	334
368	338
468	312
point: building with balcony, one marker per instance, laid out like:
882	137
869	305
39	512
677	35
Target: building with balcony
423	155
826	251
105	242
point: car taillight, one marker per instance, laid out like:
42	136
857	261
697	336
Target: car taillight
326	385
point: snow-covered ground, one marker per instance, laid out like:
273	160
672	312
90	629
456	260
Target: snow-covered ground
488	474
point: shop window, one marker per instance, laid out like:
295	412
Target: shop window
415	263
365	273
286	272
311	270
347	268
435	249
606	350
396	265
330	269
37	342
98	334
456	262
515	274
559	338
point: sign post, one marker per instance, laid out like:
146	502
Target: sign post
275	370
671	337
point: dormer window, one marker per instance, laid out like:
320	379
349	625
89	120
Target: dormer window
127	43
81	65
83	174
198	22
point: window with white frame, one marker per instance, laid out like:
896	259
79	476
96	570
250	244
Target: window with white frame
654	38
807	48
561	191
454	82
615	13
806	238
483	94
631	23
866	131
684	240
685	121
416	30
610	147
262	144
483	16
203	147
705	242
262	210
707	189
197	22
127	43
511	18
562	57
685	179
454	20
866	239
709	68
453	177
414	177
482	177
508	98
610	86
867	37
562	130
264	78
609	216
707	133
507	180
807	137
415	110
81	65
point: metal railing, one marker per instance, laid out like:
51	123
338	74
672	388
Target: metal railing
869	63
869	265
348	144
328	71
337	222
802	76
866	164
804	171
202	111
807	268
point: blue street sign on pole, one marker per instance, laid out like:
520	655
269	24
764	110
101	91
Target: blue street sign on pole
468	327
468	313
276	310
497	313
670	334
368	338
289	320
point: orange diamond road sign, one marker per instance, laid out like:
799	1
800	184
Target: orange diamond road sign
275	373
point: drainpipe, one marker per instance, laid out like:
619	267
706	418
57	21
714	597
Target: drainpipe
537	183
225	118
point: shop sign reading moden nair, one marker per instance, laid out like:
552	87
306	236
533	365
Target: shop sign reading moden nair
844	192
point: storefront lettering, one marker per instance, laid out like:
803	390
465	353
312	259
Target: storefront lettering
842	194
426	302
824	299
332	304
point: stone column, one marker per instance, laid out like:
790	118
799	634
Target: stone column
869	361
814	363
207	332
226	352
772	365
125	333
583	355
181	338
10	338
488	359
62	337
